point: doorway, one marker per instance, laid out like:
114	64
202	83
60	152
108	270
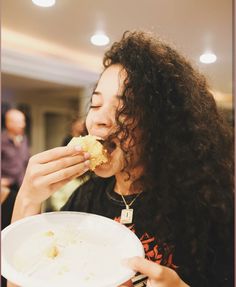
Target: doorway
56	128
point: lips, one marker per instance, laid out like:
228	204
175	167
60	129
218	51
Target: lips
108	145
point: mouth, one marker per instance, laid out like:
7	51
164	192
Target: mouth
110	146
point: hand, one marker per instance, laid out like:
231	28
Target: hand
5	190
158	276
5	182
9	284
48	171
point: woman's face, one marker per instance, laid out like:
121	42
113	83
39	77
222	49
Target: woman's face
101	117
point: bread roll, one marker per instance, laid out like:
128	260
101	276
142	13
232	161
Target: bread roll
89	143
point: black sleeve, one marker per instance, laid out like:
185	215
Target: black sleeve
69	205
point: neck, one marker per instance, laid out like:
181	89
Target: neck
17	139
123	184
12	134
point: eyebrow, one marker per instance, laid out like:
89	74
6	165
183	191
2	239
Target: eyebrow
120	97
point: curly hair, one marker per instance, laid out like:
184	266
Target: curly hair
186	149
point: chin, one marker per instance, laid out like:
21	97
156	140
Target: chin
112	167
103	173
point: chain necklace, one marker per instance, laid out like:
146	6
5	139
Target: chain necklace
127	213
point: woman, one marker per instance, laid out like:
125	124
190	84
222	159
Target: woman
170	173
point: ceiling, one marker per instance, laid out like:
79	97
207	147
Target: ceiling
51	45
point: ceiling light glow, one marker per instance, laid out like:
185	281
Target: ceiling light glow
44	3
208	58
99	39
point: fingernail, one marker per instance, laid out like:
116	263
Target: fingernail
87	163
77	147
86	155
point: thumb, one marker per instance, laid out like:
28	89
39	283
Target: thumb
144	266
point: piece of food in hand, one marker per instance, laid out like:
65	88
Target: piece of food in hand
90	144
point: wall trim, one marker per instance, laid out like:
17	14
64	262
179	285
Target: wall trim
46	68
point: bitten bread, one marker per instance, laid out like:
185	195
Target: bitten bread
90	144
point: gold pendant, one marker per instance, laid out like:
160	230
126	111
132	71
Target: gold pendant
126	216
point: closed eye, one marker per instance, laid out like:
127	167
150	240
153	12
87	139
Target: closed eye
94	107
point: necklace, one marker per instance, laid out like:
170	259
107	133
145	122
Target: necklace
127	213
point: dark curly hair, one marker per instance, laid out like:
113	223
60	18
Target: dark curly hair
186	148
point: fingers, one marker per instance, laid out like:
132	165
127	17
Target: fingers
144	266
5	182
51	169
56	153
57	159
61	163
158	275
62	174
58	185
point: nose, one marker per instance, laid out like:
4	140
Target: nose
104	118
100	121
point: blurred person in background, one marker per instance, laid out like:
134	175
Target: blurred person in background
14	156
77	129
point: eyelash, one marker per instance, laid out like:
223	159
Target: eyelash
94	107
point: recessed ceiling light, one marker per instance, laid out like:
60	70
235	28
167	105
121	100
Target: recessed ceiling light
208	58
44	3
100	39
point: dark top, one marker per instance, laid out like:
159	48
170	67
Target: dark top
97	196
14	159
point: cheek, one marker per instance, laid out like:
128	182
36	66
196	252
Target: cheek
118	158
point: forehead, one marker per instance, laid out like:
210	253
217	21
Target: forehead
15	116
111	81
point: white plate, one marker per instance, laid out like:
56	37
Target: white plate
73	249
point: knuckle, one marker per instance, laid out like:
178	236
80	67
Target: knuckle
32	159
66	173
33	174
159	274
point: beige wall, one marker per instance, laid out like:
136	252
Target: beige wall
224	100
